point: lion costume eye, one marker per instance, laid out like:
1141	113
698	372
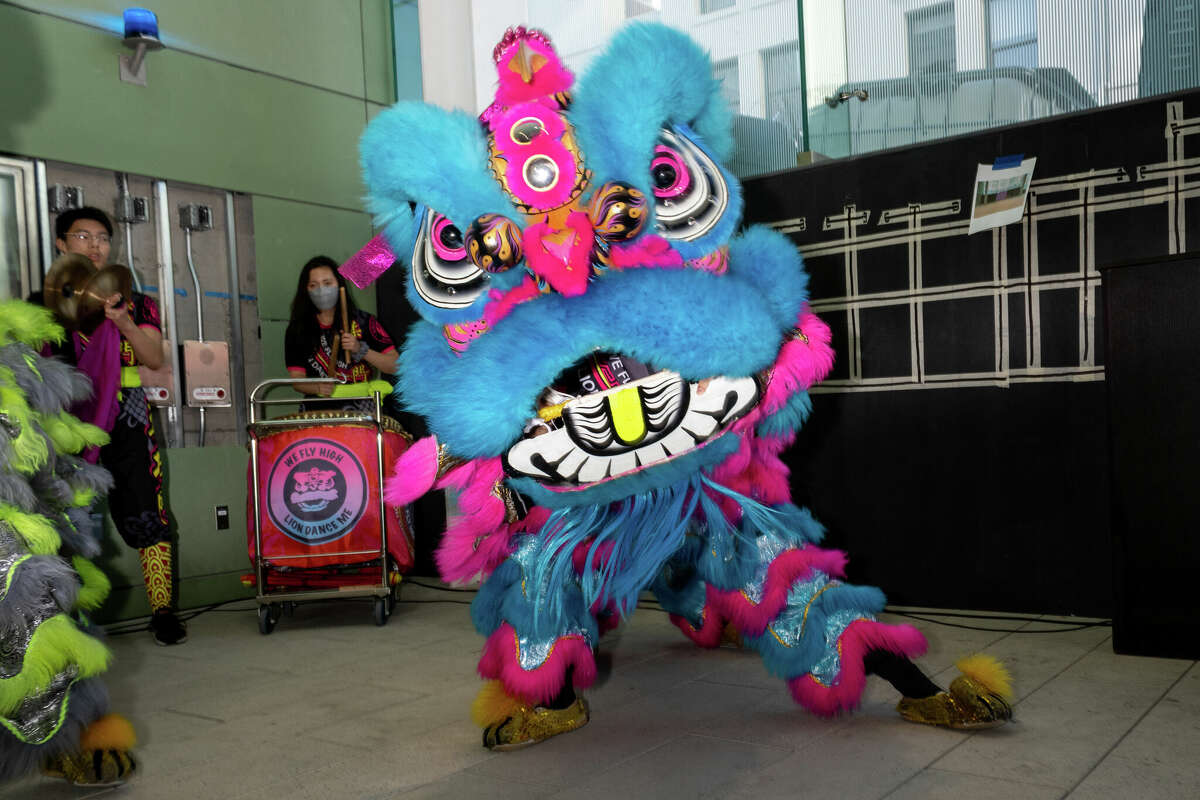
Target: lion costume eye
494	243
442	274
690	193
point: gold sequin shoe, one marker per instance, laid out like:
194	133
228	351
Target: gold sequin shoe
532	725
979	698
92	768
509	724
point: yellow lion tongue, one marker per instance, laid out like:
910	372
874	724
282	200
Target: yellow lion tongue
626	408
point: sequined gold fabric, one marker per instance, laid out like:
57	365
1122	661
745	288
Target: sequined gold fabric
532	725
446	462
511	514
92	768
968	705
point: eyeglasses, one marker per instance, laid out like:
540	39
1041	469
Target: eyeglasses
84	236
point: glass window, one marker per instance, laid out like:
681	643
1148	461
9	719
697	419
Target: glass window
781	87
931	39
1012	33
18	228
727	73
635	8
11	268
753	46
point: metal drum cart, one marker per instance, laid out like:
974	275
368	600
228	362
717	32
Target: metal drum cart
318	527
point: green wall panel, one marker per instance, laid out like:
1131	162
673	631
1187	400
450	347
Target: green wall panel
378	73
313	41
197	120
272	350
266	97
210	562
287	234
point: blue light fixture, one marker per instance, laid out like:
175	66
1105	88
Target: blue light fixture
140	22
141	36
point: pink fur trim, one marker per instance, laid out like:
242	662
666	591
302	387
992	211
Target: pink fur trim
648	251
752	618
477	540
711	624
415	472
787	568
500	661
859	637
800	364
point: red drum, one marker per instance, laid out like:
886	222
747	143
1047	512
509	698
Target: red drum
318	493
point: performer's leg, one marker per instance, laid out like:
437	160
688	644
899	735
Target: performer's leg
539	652
138	508
819	633
156	573
905	676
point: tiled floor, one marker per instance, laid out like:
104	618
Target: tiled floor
330	706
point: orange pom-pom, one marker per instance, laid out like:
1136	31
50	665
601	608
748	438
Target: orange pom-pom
989	673
110	732
493	705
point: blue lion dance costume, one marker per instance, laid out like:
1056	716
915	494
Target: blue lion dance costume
610	372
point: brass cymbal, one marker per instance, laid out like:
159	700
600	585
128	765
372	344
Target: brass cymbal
64	285
115	279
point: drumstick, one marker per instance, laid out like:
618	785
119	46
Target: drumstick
345	319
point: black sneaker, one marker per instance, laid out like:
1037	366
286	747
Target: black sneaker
167	628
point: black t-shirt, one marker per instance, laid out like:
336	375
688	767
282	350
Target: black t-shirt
316	358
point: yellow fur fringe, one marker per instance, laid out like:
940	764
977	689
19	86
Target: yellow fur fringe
110	732
989	672
493	705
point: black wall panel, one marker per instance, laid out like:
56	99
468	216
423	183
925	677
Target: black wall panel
977	477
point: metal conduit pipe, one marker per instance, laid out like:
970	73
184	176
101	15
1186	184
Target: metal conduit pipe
166	288
123	190
236	360
187	240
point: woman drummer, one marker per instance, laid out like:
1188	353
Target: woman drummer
362	346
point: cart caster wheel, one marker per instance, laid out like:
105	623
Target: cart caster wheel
381	611
393	598
266	619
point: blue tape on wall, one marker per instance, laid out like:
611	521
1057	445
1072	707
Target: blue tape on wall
245	298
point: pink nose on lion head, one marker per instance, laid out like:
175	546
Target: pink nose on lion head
562	256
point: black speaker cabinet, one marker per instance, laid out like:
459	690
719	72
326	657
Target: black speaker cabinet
1152	311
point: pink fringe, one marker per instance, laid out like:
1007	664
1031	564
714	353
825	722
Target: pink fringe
415	473
536	686
649	251
754	470
477	540
500	304
800	364
711	625
859	637
786	569
752	618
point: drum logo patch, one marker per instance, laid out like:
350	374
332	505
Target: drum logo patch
317	491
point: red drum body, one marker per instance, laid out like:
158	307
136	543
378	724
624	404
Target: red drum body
319	497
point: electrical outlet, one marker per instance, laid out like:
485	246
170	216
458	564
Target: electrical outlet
194	217
132	209
60	198
222	518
